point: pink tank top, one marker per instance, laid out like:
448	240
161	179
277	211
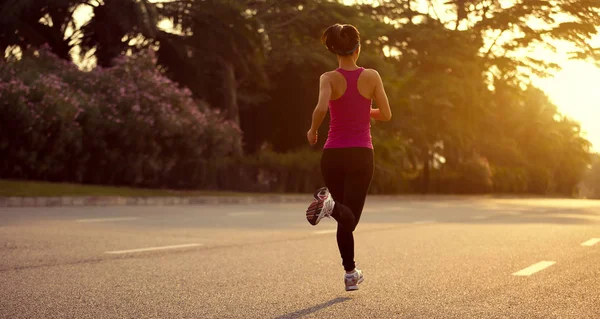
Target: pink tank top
350	124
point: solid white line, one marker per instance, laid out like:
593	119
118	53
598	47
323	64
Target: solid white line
591	242
237	214
109	219
480	217
534	268
422	222
327	231
150	249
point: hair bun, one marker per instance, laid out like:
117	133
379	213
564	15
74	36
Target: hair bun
341	39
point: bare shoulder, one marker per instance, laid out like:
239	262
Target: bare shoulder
372	77
372	73
328	74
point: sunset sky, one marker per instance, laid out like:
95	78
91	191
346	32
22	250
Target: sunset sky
576	91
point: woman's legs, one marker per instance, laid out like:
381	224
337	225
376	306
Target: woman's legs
347	173
359	168
334	175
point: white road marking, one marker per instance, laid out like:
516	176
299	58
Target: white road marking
481	217
591	242
580	216
513	213
151	249
534	268
108	219
422	222
238	214
391	209
385	209
327	231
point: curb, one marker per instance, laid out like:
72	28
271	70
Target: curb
145	201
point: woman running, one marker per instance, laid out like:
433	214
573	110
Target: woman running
347	160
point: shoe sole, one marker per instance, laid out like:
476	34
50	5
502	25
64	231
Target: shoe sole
355	287
314	208
317	206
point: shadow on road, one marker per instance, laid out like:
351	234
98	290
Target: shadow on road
308	311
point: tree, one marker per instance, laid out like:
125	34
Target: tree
452	113
220	42
33	23
114	25
25	23
591	182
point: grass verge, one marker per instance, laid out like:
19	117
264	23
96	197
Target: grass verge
45	189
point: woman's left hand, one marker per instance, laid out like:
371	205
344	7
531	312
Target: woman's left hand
312	137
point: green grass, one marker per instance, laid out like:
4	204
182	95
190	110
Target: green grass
44	189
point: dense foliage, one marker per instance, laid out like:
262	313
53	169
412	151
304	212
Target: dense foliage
466	116
128	124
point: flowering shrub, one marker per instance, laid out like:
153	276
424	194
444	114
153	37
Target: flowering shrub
128	124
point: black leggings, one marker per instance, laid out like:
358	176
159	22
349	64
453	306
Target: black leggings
347	173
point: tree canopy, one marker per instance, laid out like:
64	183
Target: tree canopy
467	117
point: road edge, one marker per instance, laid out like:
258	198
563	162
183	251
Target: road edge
17	201
57	201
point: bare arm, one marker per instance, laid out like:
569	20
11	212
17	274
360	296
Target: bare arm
321	108
383	112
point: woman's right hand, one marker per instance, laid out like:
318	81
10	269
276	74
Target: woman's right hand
383	112
312	137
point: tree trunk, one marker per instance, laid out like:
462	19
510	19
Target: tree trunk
426	172
230	93
230	97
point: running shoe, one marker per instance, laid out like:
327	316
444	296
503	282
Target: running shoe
353	279
321	207
321	193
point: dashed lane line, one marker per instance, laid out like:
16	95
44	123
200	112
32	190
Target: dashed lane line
591	242
107	219
139	250
534	268
326	231
424	222
240	214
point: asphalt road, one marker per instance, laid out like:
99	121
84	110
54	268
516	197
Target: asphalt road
434	258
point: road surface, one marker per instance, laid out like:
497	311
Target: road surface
422	258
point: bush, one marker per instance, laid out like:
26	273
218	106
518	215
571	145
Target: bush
267	171
394	170
472	176
299	171
128	124
509	179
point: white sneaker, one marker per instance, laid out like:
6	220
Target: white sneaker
353	279
321	207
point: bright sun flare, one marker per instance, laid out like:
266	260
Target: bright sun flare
576	92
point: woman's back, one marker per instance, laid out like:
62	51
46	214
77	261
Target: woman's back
350	108
365	83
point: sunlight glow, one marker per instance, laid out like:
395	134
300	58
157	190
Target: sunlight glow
576	92
575	89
